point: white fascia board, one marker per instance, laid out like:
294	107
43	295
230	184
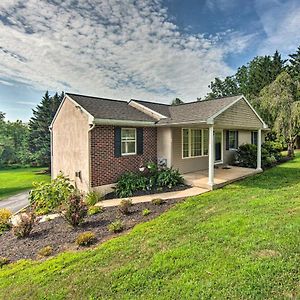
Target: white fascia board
210	120
123	122
151	111
195	122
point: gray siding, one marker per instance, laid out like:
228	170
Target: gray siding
239	115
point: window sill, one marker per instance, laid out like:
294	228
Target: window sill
191	157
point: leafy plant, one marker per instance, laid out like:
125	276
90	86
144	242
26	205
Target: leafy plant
46	197
5	215
169	178
127	184
116	226
157	201
23	224
124	206
86	239
93	210
45	251
146	212
92	198
74	210
4	261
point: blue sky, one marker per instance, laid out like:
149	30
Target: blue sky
147	49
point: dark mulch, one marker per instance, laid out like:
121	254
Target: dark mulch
179	187
60	236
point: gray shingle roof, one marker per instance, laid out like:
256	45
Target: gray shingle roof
163	109
197	111
101	108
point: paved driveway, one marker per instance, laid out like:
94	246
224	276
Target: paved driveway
15	203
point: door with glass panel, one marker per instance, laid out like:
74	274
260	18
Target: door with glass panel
218	146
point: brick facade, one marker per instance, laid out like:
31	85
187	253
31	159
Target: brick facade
105	167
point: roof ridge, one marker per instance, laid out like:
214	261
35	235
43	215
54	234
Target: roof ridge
100	98
150	102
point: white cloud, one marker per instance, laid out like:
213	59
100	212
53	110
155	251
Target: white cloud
4	82
29	103
281	24
109	48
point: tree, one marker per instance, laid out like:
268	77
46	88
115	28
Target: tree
280	108
294	67
177	101
39	137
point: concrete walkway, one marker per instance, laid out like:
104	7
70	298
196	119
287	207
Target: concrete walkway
193	191
16	202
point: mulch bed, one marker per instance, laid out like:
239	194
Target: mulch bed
176	188
60	236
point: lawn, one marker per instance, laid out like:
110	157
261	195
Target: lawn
240	242
13	181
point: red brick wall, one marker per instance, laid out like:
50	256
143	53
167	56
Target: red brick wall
105	167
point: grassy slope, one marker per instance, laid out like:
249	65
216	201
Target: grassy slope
241	242
13	181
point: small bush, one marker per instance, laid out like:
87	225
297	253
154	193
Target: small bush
124	206
157	201
46	197
93	210
116	226
169	178
75	210
127	184
4	261
5	215
86	239
46	251
92	198
146	212
23	224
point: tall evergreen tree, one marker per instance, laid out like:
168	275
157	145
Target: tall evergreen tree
177	101
294	67
39	137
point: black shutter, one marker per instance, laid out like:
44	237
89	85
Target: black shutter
227	139
117	141
237	138
140	140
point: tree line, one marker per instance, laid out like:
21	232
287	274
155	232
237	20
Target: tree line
29	143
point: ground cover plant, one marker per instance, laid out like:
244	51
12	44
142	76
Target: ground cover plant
239	242
14	181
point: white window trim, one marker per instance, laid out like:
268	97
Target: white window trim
251	135
232	149
190	143
135	142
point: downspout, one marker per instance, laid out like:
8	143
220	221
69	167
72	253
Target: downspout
92	124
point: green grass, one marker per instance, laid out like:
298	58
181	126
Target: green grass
241	242
13	181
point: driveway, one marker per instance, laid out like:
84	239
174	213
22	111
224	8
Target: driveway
15	203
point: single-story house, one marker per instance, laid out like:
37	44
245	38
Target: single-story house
95	140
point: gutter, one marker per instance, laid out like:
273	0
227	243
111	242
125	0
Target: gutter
122	122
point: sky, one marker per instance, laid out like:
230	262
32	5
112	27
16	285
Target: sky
144	49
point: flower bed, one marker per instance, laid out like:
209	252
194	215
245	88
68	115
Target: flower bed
60	236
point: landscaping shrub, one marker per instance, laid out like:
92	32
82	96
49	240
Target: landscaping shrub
169	177
116	226
4	261
46	197
157	201
46	251
74	210
92	198
246	155
146	212
86	239
155	178
23	224
124	206
93	210
5	215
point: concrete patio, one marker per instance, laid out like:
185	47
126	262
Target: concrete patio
222	175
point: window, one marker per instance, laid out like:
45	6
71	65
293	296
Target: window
194	142
233	139
254	135
128	141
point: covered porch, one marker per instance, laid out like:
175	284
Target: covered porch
222	175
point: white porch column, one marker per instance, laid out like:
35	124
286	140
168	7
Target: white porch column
258	166
211	156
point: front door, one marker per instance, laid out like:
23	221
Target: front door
218	146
